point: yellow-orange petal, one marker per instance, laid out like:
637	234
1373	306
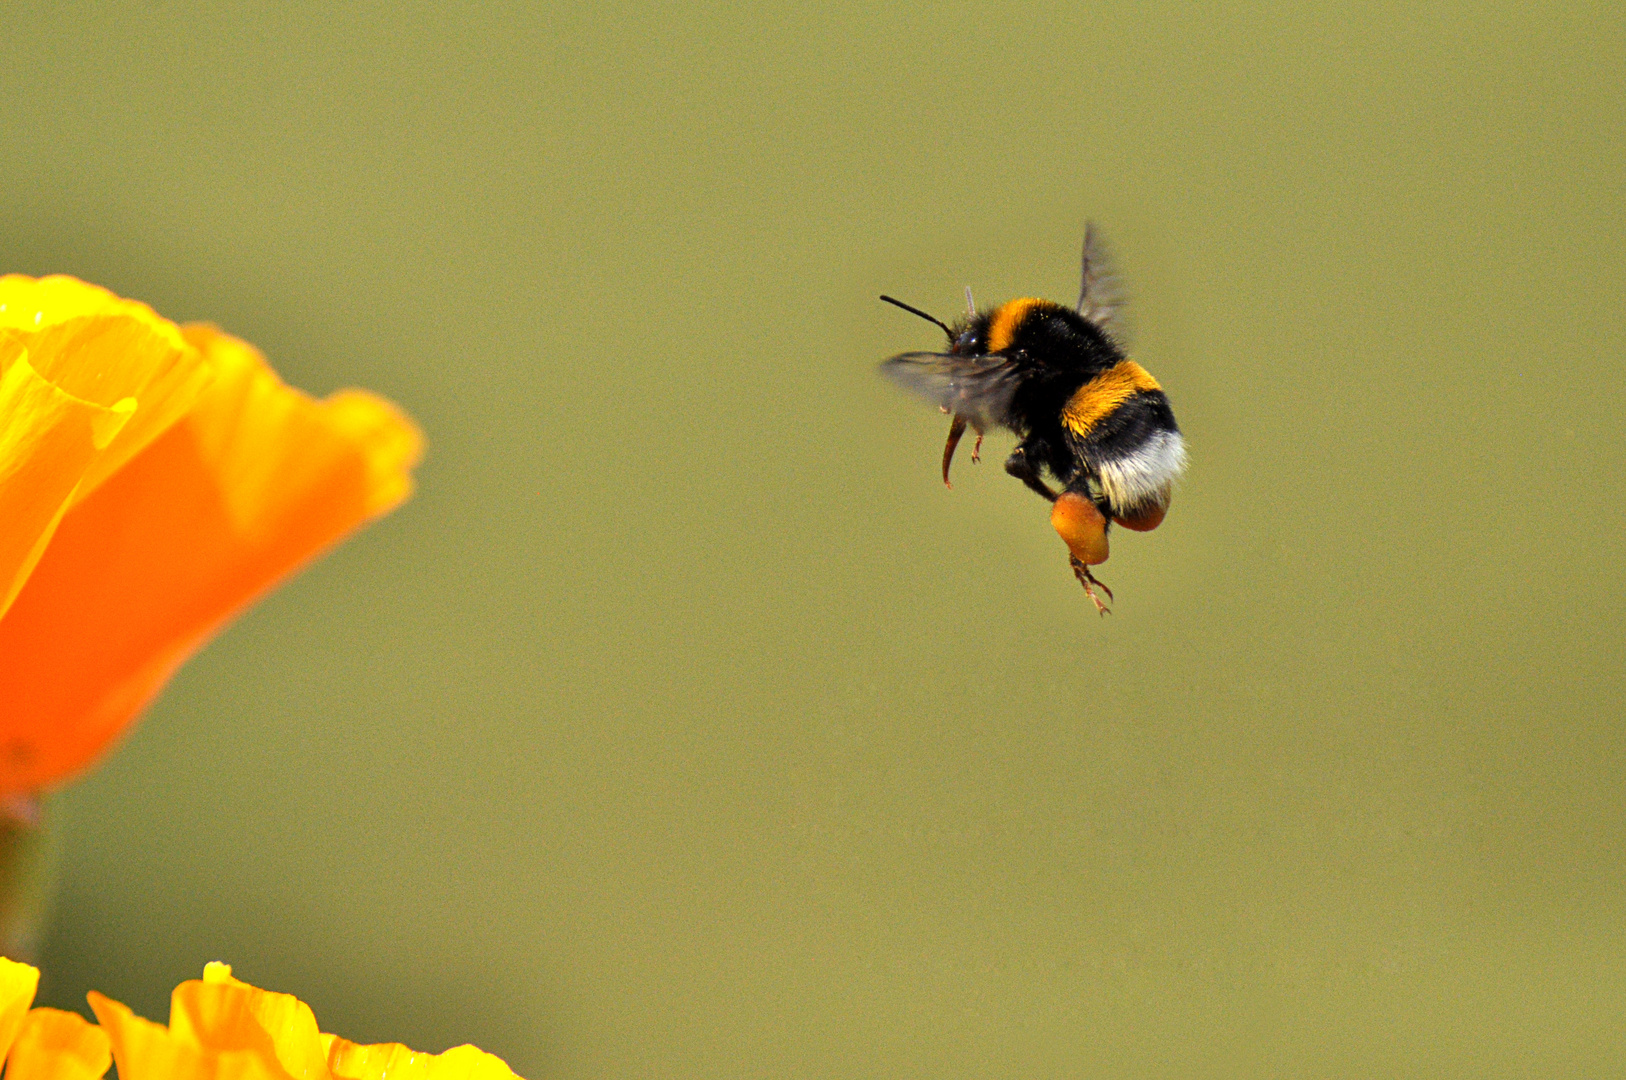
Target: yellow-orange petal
58	1045
124	351
144	1050
255	480
48	441
17	985
231	1016
216	972
392	1061
28	304
102	348
86	381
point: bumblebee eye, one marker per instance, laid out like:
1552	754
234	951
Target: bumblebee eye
1080	524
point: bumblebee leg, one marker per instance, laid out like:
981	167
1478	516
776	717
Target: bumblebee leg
976	449
956	429
1024	470
1087	579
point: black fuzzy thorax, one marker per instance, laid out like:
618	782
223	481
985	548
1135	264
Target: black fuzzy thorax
1057	351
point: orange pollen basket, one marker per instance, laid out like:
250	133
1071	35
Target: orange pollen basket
1148	519
1081	525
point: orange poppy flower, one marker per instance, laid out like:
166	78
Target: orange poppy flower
219	1029
154	481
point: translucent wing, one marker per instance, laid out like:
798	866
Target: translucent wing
1101	295
978	388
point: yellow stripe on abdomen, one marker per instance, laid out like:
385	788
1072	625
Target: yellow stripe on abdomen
1096	399
1002	329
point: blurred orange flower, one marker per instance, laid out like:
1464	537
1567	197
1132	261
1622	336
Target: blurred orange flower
219	1029
154	481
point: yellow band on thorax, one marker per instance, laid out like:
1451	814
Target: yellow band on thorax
1096	399
1002	329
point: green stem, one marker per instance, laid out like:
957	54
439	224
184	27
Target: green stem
28	864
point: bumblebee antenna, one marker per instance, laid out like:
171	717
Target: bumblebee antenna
970	304
916	311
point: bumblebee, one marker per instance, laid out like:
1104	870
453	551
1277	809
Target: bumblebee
1083	412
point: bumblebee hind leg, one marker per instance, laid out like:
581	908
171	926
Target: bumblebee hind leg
1087	579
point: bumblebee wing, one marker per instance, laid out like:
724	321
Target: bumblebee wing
978	388
1101	295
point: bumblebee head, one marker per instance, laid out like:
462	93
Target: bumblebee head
969	336
1028	324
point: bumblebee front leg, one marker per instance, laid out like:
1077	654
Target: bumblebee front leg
956	429
1020	466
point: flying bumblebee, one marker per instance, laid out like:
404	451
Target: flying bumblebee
1083	412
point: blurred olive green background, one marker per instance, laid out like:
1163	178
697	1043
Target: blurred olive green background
685	726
